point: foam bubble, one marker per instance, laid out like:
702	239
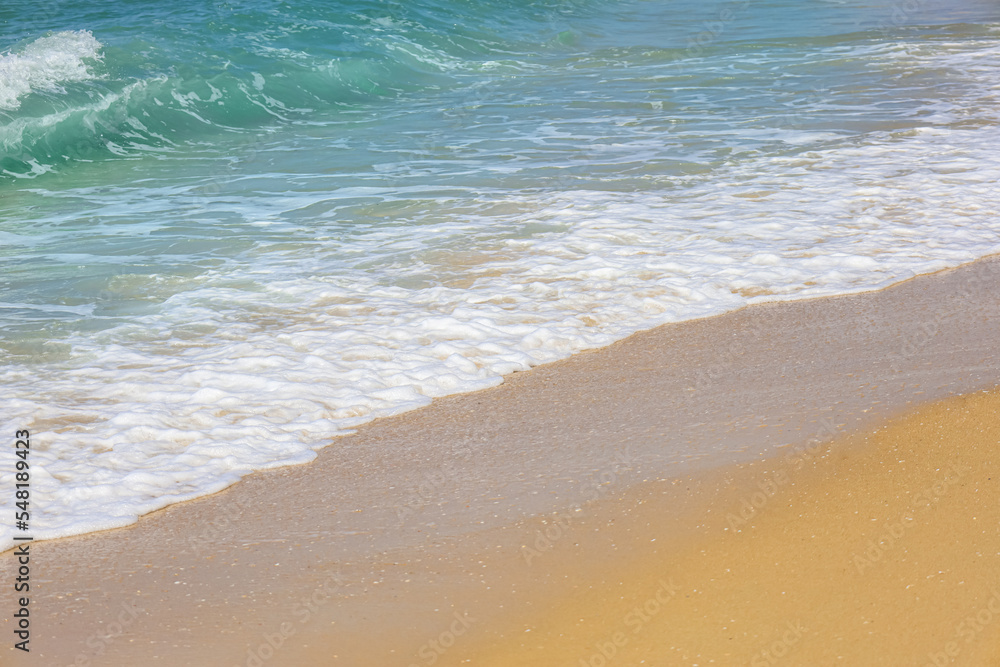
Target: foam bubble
45	64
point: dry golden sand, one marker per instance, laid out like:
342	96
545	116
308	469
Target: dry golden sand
881	548
408	542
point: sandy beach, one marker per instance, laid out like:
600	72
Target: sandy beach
878	548
708	492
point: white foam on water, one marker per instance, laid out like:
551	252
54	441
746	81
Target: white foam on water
45	64
228	379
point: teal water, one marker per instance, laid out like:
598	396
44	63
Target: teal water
232	230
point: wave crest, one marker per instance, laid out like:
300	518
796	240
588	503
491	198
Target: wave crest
45	64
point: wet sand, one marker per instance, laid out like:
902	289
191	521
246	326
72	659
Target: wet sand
458	522
878	548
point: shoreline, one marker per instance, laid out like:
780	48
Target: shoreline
705	376
391	524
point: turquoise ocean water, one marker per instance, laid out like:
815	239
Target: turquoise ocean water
230	231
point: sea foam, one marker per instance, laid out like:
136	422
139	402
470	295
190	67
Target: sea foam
45	64
225	381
